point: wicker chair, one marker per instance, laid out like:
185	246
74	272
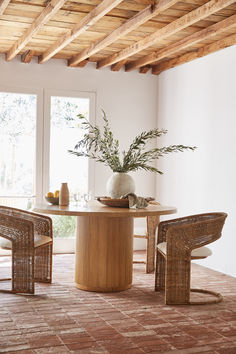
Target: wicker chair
29	236
150	235
179	241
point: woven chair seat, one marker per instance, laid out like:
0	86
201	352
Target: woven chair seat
200	252
39	240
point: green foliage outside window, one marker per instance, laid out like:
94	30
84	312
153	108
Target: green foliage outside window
63	226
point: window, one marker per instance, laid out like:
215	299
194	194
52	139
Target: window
62	131
18	136
36	131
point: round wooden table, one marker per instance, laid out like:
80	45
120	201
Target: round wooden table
104	243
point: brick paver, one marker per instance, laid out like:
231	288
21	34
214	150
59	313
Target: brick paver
63	319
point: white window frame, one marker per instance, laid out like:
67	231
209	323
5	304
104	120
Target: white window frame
48	93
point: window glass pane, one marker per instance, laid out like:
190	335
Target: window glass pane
65	131
63	226
17	147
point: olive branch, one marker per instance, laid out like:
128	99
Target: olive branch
101	146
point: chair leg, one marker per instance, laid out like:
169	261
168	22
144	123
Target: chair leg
22	271
160	272
177	289
217	297
152	223
43	264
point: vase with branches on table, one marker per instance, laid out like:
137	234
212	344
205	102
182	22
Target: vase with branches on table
100	145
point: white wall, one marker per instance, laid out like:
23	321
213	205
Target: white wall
197	104
129	100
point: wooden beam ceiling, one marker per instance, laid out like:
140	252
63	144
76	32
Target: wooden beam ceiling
175	26
148	35
27	56
3	6
184	43
82	64
144	69
98	12
128	26
118	66
45	16
201	52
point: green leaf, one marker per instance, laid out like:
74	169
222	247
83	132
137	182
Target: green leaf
101	146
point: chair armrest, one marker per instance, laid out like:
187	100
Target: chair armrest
185	237
19	231
42	223
192	219
164	226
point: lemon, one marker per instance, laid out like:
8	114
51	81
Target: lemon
49	195
56	194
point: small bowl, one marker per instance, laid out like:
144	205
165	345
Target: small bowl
52	200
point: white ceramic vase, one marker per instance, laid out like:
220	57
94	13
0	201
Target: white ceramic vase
120	184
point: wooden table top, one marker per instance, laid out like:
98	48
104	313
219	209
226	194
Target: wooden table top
95	208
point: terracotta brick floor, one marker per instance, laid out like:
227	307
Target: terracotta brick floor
63	319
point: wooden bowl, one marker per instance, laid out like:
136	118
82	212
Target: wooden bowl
116	203
52	200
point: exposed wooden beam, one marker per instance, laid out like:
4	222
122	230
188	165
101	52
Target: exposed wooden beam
118	66
201	52
128	26
27	56
215	29
144	69
187	20
3	5
92	17
82	64
50	10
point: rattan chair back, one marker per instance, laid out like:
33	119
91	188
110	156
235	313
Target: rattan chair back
182	236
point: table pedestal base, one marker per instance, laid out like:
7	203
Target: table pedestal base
104	253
